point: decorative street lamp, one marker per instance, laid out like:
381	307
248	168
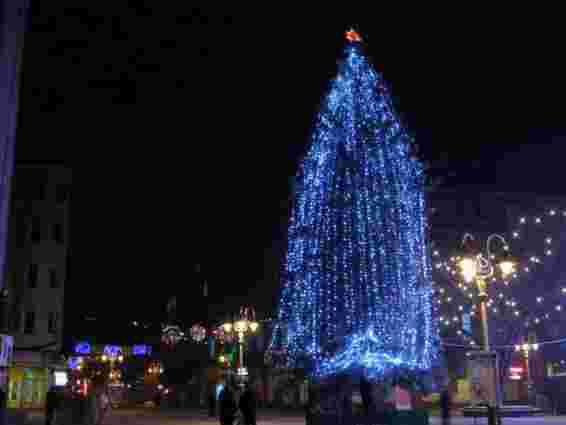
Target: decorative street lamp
243	326
480	268
525	349
113	354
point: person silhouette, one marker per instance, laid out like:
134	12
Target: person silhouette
445	405
51	405
248	405
228	407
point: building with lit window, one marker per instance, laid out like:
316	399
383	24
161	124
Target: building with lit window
36	273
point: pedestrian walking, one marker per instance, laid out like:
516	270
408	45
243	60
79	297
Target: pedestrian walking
248	405
212	402
228	407
366	394
52	403
445	406
104	404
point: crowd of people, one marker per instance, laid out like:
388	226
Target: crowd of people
236	405
62	406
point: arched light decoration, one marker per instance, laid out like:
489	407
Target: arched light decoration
171	335
83	348
141	350
112	353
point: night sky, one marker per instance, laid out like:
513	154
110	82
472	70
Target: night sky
185	125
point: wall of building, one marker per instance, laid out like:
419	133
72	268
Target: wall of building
36	275
38	243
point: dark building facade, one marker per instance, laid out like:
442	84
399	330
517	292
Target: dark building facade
36	275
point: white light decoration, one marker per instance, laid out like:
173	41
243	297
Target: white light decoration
198	333
171	335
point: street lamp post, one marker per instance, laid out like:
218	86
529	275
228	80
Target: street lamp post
525	349
480	267
113	355
243	326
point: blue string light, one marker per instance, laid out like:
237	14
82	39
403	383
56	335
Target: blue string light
357	291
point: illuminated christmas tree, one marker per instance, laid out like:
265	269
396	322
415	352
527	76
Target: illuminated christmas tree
357	292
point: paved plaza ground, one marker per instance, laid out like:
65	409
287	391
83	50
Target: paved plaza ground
144	416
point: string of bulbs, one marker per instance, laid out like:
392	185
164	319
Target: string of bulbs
500	303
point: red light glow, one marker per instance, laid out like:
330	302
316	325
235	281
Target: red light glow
352	35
